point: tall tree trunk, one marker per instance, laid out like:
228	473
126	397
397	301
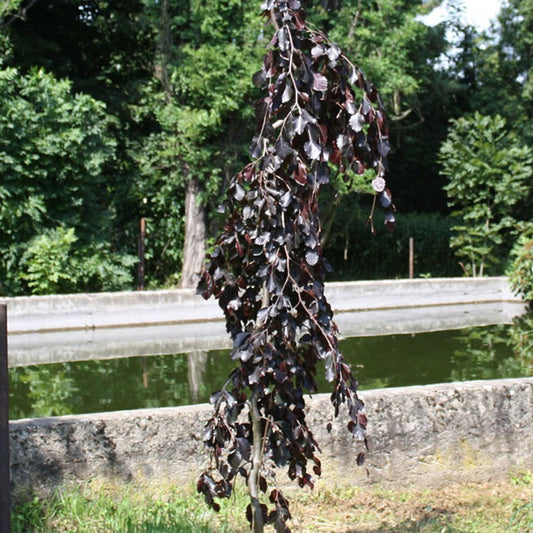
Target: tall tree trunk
195	231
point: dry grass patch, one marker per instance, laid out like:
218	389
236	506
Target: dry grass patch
475	508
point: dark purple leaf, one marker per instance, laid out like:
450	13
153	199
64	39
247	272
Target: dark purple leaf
317	51
287	93
366	106
357	122
322	174
390	220
255	376
300	124
215	397
333	52
313	150
320	82
383	147
300	175
240	339
283	148
283	39
259	78
286	199
385	198
256	148
244	447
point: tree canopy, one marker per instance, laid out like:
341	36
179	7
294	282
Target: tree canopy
170	83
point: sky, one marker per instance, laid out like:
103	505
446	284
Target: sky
479	13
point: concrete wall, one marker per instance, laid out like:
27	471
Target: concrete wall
107	310
418	436
60	328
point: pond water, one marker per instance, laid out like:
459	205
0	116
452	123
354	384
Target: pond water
486	352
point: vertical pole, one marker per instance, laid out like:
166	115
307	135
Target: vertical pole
411	257
5	504
140	269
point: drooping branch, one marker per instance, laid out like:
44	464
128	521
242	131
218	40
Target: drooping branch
267	270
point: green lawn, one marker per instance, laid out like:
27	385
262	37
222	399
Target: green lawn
505	506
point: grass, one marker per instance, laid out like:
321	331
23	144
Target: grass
504	506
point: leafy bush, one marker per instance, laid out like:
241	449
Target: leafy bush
355	253
520	270
55	150
51	265
489	172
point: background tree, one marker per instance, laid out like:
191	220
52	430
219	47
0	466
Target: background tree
54	149
201	116
194	121
399	52
489	173
504	64
267	269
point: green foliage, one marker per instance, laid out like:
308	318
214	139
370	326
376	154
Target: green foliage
92	509
354	253
520	269
206	57
9	8
488	174
505	67
387	38
195	120
51	265
47	262
54	151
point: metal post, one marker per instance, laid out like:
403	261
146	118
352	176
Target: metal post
140	270
5	503
411	257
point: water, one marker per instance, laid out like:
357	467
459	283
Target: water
489	352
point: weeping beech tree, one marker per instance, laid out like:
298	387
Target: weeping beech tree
319	117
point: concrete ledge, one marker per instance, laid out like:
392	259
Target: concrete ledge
418	436
49	329
121	309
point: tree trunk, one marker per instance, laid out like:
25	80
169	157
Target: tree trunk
195	231
257	462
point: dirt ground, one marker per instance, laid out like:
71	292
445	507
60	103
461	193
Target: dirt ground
504	506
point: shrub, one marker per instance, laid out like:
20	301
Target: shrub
356	254
520	270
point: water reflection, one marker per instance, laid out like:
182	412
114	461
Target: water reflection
197	366
484	352
171	380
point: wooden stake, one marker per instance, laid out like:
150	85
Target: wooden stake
411	257
140	268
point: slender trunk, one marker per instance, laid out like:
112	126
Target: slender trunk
195	232
258	525
257	459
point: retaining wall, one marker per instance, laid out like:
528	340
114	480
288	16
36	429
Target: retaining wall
142	308
45	329
418	436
